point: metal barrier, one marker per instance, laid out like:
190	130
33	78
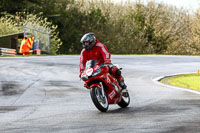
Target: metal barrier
7	51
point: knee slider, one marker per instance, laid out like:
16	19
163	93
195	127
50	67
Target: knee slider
118	73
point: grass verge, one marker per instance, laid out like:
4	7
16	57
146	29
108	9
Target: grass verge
190	81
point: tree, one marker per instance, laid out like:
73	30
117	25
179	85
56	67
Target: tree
13	6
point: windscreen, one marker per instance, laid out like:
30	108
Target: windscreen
90	64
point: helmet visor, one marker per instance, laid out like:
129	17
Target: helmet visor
86	43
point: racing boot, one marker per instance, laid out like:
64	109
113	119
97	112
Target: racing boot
123	86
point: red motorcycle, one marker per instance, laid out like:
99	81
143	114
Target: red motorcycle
104	88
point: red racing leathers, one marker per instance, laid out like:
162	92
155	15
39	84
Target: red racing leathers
98	52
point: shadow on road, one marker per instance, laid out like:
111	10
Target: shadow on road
120	110
9	88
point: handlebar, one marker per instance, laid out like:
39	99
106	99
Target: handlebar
106	65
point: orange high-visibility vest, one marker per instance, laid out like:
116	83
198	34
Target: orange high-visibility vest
25	47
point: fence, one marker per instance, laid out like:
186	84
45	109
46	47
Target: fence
7	51
41	35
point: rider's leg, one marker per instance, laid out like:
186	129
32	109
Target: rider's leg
117	74
120	80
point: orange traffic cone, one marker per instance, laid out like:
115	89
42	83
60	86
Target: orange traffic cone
197	71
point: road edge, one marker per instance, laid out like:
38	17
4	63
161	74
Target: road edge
157	79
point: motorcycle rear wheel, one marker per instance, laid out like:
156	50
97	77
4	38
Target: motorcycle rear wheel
125	101
99	101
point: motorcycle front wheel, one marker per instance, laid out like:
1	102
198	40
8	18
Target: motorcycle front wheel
125	101
100	101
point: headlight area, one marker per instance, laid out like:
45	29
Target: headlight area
84	77
96	72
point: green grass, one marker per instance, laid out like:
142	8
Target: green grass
190	81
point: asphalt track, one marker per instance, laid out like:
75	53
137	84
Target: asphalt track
45	95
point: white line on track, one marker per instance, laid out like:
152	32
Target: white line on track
156	80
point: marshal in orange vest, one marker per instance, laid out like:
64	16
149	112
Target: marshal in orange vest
26	45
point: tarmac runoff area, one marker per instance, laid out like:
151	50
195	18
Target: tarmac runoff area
45	94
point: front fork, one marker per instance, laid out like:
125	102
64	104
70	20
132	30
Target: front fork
102	90
100	85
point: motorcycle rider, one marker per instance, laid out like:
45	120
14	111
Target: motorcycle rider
94	50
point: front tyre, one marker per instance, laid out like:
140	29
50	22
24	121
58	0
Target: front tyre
125	101
99	101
